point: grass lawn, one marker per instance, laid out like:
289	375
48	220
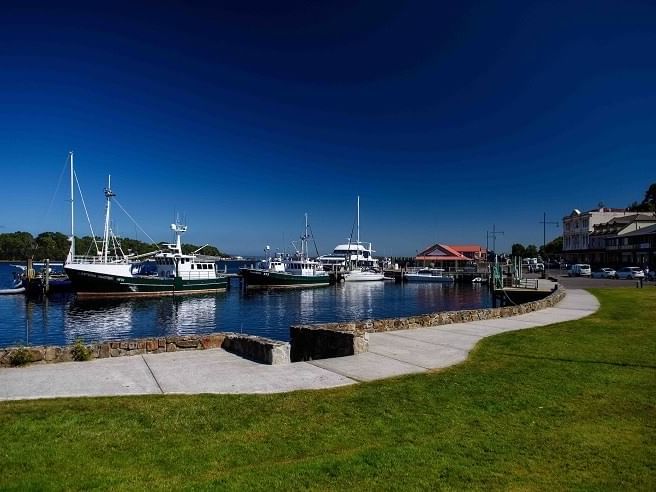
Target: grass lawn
572	405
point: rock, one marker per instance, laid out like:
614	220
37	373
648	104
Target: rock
212	341
104	351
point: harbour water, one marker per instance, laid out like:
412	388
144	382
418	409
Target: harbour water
62	319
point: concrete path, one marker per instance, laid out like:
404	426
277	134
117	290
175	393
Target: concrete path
217	371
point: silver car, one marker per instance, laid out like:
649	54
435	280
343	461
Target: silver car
630	273
604	273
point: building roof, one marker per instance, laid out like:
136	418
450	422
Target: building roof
441	252
467	248
645	231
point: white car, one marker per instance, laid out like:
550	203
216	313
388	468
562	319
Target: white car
630	273
579	270
604	273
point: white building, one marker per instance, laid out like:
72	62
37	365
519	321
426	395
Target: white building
578	225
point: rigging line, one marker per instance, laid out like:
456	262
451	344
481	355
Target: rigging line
135	222
84	205
313	240
52	199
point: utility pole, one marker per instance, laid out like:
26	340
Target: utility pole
494	234
544	223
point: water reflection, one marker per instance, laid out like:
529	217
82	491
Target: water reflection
63	319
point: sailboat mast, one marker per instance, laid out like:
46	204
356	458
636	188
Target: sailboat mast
358	219
72	210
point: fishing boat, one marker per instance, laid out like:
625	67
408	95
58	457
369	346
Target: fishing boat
354	259
116	274
429	275
297	270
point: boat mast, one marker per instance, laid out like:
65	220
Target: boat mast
304	248
108	194
72	210
358	221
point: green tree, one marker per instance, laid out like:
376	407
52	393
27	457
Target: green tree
531	251
648	203
17	246
518	250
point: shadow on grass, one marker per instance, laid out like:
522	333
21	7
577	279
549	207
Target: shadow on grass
576	361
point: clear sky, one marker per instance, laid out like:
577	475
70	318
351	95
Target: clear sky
445	117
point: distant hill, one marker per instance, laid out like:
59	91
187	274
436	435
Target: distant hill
54	246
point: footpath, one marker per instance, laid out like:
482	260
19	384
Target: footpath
217	371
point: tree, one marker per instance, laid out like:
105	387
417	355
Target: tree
518	250
648	203
552	248
531	251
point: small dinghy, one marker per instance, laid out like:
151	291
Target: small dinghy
16	289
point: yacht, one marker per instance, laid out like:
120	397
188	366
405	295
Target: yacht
355	259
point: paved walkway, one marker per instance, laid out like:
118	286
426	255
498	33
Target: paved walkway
217	371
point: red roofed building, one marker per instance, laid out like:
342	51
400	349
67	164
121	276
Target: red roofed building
445	256
472	251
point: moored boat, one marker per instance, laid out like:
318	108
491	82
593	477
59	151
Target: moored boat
115	274
354	259
297	270
429	275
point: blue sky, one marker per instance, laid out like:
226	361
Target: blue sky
445	117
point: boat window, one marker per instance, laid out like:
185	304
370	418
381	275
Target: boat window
192	266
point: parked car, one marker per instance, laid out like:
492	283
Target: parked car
630	273
651	275
579	270
604	273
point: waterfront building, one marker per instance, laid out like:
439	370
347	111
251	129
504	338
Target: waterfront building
577	227
472	251
626	238
450	257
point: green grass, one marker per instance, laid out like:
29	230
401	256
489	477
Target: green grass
572	405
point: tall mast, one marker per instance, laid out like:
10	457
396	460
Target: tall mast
72	210
304	247
108	194
358	220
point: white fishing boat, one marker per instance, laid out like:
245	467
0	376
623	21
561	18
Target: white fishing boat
112	273
429	275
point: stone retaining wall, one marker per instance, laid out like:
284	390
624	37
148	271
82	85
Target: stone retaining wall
326	340
259	349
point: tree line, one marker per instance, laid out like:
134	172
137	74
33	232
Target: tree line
55	246
550	250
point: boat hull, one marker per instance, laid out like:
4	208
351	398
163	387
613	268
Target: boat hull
94	284
255	278
429	278
363	277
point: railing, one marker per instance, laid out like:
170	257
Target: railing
100	260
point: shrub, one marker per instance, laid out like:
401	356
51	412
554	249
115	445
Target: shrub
80	352
20	357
